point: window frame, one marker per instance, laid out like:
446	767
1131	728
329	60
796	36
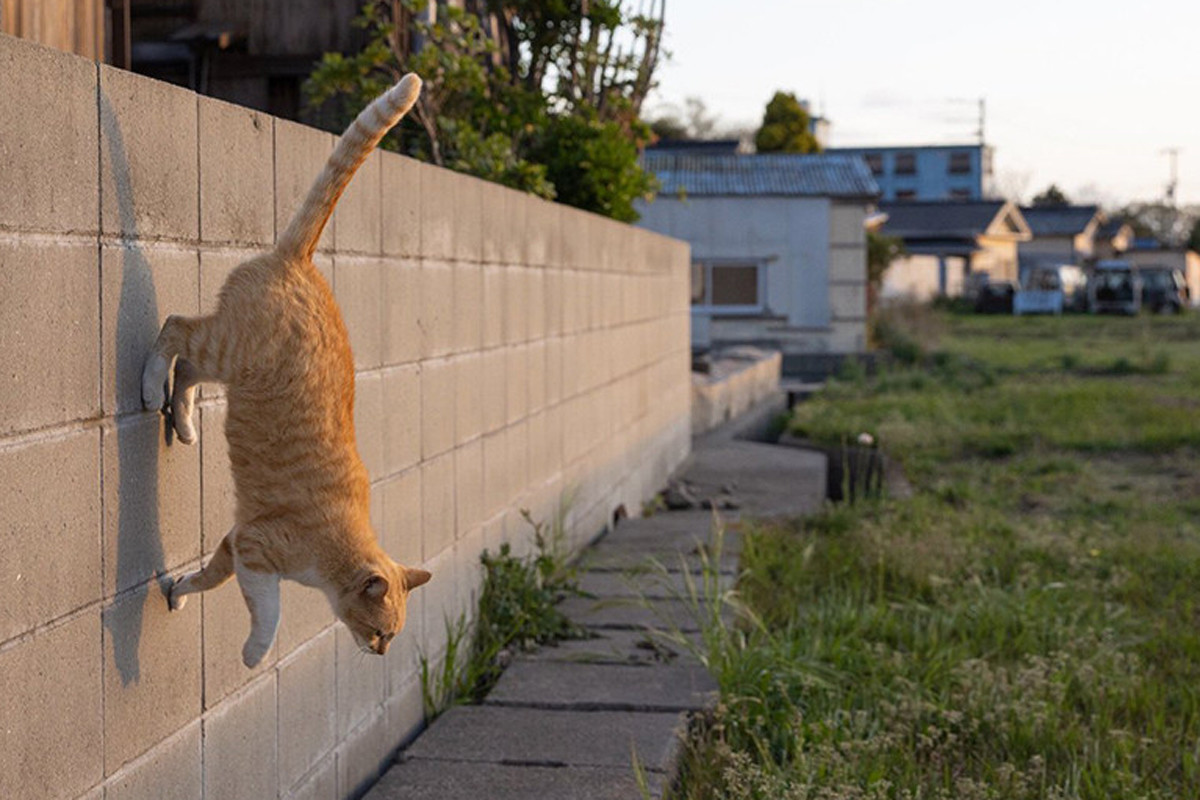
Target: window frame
706	305
904	163
959	162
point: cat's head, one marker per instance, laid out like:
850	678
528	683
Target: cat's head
375	604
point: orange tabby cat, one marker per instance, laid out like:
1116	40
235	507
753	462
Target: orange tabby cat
278	342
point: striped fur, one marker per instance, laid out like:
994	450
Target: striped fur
278	342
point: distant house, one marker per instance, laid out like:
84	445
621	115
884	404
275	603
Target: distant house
1113	238
947	242
930	172
1150	252
778	247
1061	235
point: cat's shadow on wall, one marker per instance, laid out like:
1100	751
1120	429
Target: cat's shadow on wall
140	560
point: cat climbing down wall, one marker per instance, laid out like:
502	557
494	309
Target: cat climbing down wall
278	342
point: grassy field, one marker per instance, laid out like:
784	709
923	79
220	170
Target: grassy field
1027	624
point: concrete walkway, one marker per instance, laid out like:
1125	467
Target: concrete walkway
566	721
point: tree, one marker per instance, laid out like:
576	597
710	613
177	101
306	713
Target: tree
693	121
1052	196
881	252
785	127
540	95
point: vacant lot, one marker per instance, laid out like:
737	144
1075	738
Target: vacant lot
1027	624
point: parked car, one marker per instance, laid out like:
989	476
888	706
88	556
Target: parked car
995	297
1052	290
1114	287
1164	290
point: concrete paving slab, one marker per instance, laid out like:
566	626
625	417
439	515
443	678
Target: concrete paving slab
772	481
612	559
615	646
594	687
426	779
537	737
631	613
644	583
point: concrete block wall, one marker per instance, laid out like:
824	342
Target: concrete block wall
510	352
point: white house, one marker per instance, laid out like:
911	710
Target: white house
779	254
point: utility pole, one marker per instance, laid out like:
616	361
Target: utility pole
1173	184
982	119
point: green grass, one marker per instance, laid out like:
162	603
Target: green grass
1026	625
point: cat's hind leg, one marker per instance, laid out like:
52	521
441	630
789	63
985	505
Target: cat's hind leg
261	593
218	570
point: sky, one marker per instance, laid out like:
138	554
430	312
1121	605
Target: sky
1084	94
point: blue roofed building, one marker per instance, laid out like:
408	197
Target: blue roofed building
778	242
927	172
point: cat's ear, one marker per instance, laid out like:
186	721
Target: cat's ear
375	586
415	577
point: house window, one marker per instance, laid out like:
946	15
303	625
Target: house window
730	287
906	163
960	163
906	194
875	163
960	194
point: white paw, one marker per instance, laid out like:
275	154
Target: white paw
184	428
154	382
175	598
253	652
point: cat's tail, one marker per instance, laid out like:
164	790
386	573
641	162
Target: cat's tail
300	238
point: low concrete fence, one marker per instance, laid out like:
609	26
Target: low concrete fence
738	379
509	351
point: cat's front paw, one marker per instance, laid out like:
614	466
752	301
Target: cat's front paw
154	382
176	599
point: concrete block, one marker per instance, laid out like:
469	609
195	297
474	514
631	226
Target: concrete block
151	503
438	408
451	215
51	507
50	152
51	710
497	481
218	500
468	472
151	673
304	613
516	305
554	440
403	338
439	605
300	156
360	683
48	341
552	279
141	286
518	457
170	771
307	713
148	168
358	214
554	371
358	283
369	421
226	624
437	505
237	174
468	306
240	745
535	376
493	305
401	532
437	309
402	204
535	303
579	248
401	418
543	232
494	371
517	403
319	784
405	711
468	397
363	755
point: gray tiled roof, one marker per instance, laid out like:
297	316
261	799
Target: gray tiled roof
767	174
950	219
1058	220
